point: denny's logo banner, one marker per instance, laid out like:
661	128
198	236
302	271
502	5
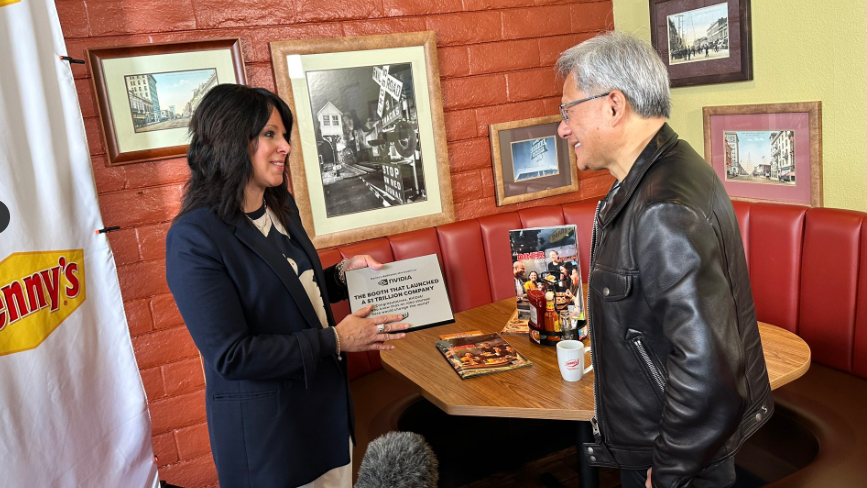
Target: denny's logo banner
38	291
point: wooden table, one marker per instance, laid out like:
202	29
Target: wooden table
537	392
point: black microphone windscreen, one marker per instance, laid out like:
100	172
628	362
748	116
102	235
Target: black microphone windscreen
398	460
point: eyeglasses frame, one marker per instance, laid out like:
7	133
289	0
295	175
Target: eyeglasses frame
564	106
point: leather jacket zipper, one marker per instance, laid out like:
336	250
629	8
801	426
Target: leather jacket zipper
594	422
654	372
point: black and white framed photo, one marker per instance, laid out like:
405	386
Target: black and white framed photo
369	155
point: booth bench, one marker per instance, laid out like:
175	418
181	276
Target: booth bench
808	268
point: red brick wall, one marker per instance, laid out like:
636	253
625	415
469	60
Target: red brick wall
496	59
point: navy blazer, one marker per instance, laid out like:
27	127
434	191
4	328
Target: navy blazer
277	397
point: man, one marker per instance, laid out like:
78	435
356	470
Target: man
518	270
560	269
680	376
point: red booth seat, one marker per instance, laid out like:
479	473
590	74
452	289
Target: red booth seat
808	269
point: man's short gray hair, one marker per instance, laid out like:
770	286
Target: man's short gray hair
618	61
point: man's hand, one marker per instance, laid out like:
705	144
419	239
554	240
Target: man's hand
648	484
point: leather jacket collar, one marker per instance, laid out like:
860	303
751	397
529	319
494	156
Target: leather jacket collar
620	194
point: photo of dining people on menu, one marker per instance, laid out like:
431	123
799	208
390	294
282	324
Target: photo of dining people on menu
546	258
476	354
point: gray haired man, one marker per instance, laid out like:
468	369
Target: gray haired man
680	376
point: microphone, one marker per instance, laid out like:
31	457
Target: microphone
398	460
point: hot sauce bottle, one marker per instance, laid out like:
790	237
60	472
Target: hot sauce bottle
537	314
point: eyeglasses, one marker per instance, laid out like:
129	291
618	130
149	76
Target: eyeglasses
564	106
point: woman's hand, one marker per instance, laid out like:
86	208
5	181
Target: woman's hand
358	333
361	261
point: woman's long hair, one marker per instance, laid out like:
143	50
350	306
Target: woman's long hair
223	130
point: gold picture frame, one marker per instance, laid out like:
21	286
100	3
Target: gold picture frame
530	161
357	180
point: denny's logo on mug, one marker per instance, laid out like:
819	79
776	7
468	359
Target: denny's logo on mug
570	358
38	291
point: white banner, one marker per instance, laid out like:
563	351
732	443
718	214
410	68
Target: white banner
72	407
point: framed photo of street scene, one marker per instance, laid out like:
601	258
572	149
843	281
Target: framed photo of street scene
769	152
369	155
531	161
703	41
147	94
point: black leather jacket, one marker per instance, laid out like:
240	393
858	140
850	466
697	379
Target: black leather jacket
680	376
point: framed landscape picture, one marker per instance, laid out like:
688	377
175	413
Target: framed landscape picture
703	41
369	155
531	161
146	94
770	152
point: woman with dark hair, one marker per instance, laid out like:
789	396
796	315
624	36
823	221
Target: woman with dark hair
256	301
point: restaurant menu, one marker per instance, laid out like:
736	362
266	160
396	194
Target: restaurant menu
475	354
412	287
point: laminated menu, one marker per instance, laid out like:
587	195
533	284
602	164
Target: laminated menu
476	355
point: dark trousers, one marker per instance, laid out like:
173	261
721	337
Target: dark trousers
720	475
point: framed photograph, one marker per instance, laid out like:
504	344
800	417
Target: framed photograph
531	161
369	155
146	94
703	41
769	152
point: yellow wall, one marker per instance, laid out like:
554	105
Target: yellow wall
803	50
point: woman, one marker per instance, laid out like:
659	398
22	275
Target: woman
256	301
530	284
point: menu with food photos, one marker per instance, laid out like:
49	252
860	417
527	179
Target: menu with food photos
478	354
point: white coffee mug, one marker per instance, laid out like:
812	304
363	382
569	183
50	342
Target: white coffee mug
570	358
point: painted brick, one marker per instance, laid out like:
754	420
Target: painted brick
596	185
476	91
454	61
177	412
477	208
460	124
129	208
152	379
93	132
469	155
86	100
383	26
211	14
193	441
532	84
319	11
262	76
507	113
73	18
138	317
144	279
163	346
466	28
466	186
592	17
536	22
558	2
108	178
156	173
504	56
488	182
165	312
399	8
183	377
588	173
124	246
197	472
552	104
165	449
108	17
495	4
260	39
550	48
152	241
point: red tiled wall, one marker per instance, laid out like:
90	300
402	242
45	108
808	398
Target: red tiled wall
496	59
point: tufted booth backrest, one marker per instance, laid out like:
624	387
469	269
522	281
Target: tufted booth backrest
808	269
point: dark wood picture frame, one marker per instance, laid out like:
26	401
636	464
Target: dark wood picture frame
334	55
152	55
689	68
508	190
804	122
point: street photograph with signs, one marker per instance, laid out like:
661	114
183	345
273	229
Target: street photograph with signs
367	137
